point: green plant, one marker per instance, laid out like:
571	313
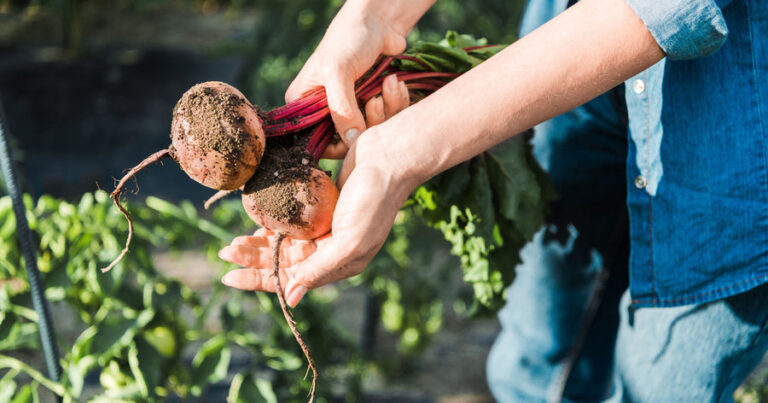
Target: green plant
136	328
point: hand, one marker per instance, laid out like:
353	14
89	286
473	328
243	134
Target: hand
357	36
298	273
365	211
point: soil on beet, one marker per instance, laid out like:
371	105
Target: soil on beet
206	108
284	172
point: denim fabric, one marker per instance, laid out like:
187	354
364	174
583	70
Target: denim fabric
692	353
697	165
643	94
704	235
684	29
584	153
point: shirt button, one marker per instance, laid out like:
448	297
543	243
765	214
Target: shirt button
640	182
638	86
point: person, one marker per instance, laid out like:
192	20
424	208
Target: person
682	145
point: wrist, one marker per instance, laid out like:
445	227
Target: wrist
372	151
393	19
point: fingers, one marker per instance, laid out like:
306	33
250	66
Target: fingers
395	95
254	279
342	102
303	270
374	111
335	151
394	98
256	252
295	90
346	167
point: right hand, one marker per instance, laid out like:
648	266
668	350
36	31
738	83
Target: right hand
351	45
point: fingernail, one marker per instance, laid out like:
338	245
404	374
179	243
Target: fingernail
227	279
296	295
225	254
391	82
351	135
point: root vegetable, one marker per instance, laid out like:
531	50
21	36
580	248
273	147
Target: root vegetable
297	202
216	136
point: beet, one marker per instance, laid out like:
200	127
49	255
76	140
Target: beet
217	136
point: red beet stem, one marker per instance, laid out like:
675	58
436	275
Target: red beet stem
377	71
313	97
310	112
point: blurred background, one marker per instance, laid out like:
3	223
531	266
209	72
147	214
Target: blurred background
87	87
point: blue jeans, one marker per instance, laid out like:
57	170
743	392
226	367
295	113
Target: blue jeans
696	353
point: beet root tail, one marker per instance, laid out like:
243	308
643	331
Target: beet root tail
288	315
115	195
216	197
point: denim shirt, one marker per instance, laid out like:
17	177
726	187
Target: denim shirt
697	164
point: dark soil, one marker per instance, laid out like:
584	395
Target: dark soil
285	170
216	122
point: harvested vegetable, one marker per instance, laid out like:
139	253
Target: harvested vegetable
216	136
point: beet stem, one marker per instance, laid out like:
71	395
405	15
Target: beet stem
377	71
287	313
115	195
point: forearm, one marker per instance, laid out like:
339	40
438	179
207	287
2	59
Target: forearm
585	51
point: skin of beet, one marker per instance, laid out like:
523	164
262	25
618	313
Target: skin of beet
217	136
316	198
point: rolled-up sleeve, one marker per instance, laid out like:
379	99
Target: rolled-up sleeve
684	29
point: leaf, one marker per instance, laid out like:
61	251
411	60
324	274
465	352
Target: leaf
487	209
27	394
150	364
146	366
114	334
211	363
456	40
16	334
162	339
520	185
8	386
249	389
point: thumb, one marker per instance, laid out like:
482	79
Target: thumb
345	111
324	266
347	166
